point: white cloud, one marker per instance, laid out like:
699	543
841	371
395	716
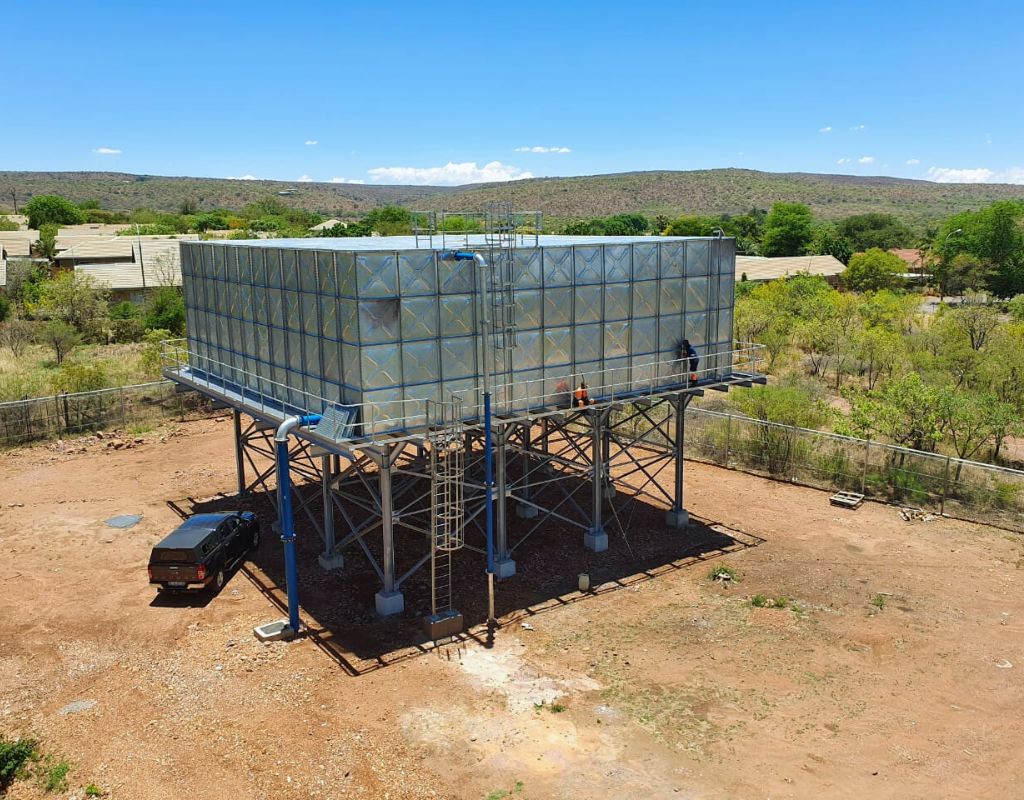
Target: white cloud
450	174
913	162
311	142
826	129
842	161
976	175
866	160
858	128
543	150
304	179
107	151
241	178
346	180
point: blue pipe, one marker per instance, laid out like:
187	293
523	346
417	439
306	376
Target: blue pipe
285	521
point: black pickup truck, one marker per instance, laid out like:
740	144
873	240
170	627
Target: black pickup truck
200	551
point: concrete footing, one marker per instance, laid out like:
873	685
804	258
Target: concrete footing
524	511
274	631
596	539
677	518
504	568
331	561
444	625
389	603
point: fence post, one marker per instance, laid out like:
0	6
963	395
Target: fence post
123	420
864	468
67	415
945	488
728	440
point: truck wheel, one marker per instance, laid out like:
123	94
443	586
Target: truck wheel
218	580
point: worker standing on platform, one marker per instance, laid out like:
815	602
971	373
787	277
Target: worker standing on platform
582	395
691	353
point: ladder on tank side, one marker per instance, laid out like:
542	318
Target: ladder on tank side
447	505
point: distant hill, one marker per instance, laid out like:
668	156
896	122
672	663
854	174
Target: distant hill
670	193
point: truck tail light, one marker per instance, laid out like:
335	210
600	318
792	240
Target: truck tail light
149	571
201	572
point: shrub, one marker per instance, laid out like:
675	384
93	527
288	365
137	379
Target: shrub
72	378
150	361
127	330
62	337
125	310
165	310
759	601
722	571
14	754
92	790
52	209
55	776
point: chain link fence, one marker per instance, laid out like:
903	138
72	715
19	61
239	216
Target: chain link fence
932	482
40	418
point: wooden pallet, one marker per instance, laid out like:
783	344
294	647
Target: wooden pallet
851	500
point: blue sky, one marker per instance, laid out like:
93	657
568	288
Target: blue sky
396	93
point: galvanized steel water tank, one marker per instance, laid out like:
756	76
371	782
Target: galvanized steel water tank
383	322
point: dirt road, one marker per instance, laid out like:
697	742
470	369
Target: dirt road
893	671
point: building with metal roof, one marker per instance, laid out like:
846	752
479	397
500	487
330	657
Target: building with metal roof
759	268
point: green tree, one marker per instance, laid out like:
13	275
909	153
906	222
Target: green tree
46	245
1016	308
61	337
76	299
827	241
879	352
905	410
787	404
995	236
788	230
72	378
691	226
24	277
963	272
165	310
876	269
52	209
884	231
16	335
5	308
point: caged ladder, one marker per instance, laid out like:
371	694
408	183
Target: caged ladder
447	507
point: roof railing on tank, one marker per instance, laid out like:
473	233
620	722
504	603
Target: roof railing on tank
406	419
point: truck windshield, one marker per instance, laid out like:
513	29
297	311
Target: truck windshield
173	555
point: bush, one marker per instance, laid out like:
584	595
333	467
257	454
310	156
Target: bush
7	224
127	330
150	361
125	310
873	270
165	310
73	378
61	337
52	209
13	757
1016	308
5	308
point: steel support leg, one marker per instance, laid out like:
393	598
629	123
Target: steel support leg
389	600
596	538
239	452
329	559
525	510
504	566
677	516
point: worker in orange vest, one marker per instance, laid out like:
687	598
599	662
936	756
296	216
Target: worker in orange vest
582	396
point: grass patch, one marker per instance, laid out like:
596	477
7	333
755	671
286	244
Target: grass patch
55	776
92	790
760	601
722	572
14	756
878	601
500	794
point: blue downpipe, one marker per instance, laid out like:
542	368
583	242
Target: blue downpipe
489	482
286	521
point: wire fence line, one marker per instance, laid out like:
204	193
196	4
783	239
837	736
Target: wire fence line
42	418
932	482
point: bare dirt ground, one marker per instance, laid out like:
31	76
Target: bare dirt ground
894	671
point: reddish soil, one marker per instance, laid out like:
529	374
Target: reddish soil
894	670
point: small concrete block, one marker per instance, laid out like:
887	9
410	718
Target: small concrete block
441	626
274	631
331	561
677	518
504	568
389	603
596	540
524	511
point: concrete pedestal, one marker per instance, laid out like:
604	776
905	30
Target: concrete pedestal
677	518
443	625
524	511
331	561
389	603
274	631
504	568
596	539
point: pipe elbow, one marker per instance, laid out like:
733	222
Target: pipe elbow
291	423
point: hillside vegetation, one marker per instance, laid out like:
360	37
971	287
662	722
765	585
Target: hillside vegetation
669	193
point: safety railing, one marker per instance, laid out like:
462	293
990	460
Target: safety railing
516	399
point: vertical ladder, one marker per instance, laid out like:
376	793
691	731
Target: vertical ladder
447	508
